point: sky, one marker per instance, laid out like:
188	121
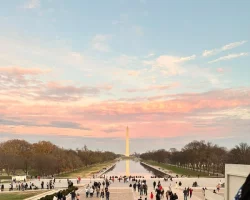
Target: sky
79	72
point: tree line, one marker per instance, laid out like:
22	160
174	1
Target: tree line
202	156
44	158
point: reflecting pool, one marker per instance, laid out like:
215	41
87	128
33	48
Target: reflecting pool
131	167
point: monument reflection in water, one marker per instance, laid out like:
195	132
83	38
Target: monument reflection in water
127	167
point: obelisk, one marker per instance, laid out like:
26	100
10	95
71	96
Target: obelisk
127	143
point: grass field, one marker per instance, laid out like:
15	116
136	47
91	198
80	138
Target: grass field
18	195
178	170
5	181
5	177
87	171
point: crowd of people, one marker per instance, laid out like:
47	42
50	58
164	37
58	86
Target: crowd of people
159	192
30	185
20	186
98	189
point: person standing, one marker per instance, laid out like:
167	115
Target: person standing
134	186
59	195
87	192
73	195
91	192
154	184
244	191
158	196
218	187
151	195
97	191
190	192
102	195
78	196
175	197
146	189
141	190
107	195
138	186
185	194
167	194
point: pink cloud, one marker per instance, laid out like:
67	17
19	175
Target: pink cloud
153	87
220	70
23	82
190	113
133	73
20	71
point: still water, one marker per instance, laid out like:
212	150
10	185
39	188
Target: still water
130	167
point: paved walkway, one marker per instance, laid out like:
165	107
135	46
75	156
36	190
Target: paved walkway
115	194
122	191
197	195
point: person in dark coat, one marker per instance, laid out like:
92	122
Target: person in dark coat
73	195
244	192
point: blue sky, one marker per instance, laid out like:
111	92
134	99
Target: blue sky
141	63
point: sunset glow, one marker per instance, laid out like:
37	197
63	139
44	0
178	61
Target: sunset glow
75	69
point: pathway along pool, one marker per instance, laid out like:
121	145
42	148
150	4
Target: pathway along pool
131	167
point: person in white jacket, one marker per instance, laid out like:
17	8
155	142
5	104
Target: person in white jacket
87	191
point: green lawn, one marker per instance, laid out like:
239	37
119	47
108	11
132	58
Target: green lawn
18	195
5	177
178	170
87	171
5	181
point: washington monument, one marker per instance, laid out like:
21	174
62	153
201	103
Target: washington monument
127	142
